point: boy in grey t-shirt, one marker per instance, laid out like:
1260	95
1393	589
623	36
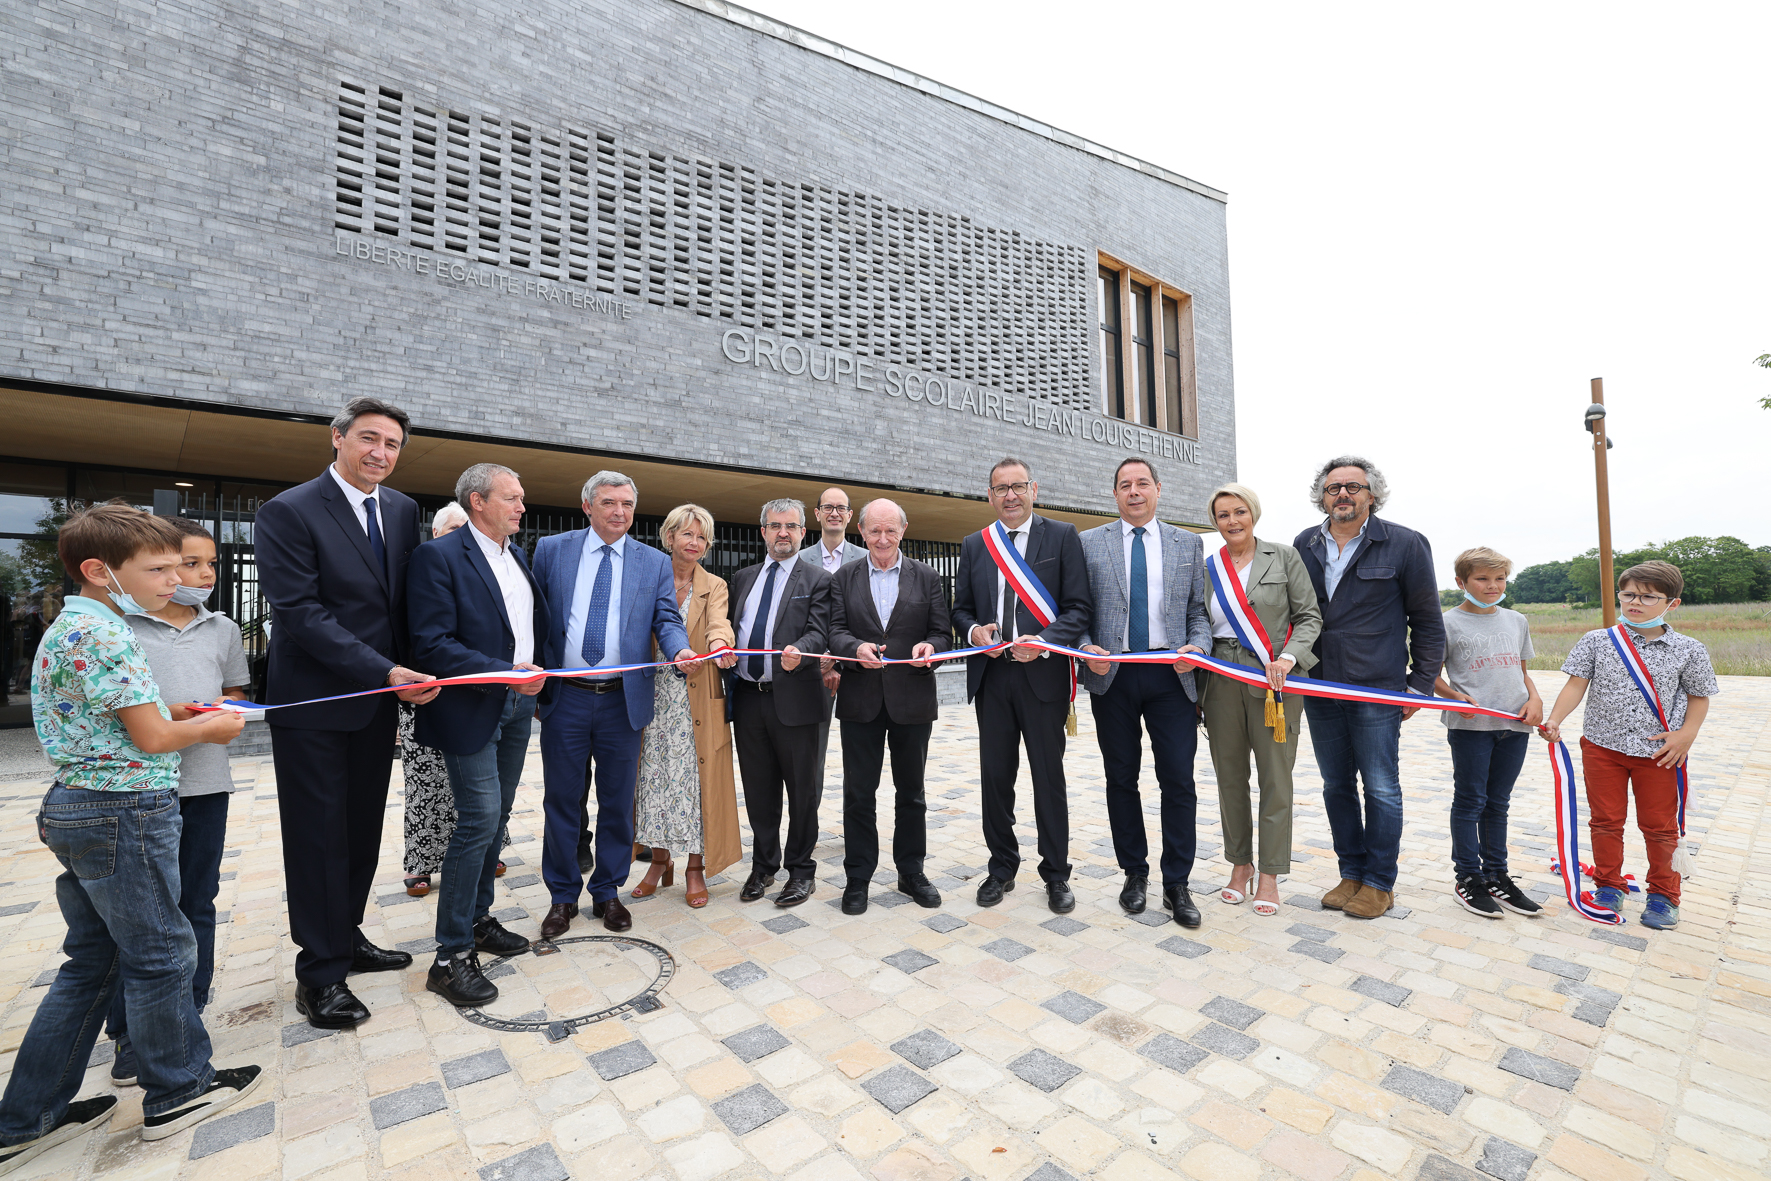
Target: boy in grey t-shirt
1486	648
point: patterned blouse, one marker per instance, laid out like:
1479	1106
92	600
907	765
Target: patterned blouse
1618	717
89	666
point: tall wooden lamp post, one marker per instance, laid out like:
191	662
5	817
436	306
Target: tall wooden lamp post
1595	422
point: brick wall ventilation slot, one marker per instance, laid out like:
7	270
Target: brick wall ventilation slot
842	269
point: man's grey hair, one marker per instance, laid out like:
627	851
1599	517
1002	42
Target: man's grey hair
450	516
784	505
478	478
903	517
1380	488
357	407
606	480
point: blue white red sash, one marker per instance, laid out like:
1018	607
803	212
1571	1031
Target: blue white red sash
1232	600
1567	791
1638	670
1020	576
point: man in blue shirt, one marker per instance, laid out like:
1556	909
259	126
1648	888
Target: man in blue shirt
608	598
1381	628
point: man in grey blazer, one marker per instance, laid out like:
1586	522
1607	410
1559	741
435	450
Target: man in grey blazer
1148	580
830	552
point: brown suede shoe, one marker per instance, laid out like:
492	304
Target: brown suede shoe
1341	894
1369	903
559	917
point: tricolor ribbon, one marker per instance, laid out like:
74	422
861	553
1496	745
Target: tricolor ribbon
1638	671
1567	792
1234	604
1020	576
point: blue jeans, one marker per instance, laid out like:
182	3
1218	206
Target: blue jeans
582	730
1357	742
204	820
485	785
1484	765
119	894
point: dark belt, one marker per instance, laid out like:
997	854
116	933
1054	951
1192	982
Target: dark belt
612	685
759	686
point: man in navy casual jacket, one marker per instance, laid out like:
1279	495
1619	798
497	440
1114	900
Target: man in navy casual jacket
1380	611
474	607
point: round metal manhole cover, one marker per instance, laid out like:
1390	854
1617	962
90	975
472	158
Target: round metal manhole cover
560	987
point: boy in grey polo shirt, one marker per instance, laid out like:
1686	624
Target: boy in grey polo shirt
195	656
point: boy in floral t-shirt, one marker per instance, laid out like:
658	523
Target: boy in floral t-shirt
111	818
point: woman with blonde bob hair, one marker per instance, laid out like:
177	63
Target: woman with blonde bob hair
686	800
1259	596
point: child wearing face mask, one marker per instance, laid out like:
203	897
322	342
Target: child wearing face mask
196	656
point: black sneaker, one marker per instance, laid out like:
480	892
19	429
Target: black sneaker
227	1089
81	1116
1502	889
491	937
460	982
1472	895
123	1064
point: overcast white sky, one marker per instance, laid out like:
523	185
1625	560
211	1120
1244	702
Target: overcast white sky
1444	220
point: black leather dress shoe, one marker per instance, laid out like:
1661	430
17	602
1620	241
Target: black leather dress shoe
1179	900
586	861
366	957
854	897
491	937
755	886
921	890
332	1006
1059	897
991	890
613	914
1133	897
559	917
795	892
460	982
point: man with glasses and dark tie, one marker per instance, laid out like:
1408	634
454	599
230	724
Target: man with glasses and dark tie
332	557
1023	576
1380	612
609	598
777	702
1148	579
830	552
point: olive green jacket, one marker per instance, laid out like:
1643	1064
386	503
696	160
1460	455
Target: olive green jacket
1280	591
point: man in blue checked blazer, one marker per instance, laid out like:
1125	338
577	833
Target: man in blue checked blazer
608	597
1148	580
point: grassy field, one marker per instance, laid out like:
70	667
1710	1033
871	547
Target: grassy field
1738	635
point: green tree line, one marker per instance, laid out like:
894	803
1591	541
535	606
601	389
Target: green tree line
1716	569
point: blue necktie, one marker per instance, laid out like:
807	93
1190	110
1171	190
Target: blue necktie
1137	635
596	616
759	629
375	541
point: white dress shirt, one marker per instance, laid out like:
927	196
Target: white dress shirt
356	499
519	598
1152	577
588	565
830	559
884	584
748	619
1006	627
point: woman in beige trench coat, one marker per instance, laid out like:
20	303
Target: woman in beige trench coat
686	799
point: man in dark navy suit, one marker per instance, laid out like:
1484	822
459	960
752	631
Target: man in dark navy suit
474	608
332	557
1022	695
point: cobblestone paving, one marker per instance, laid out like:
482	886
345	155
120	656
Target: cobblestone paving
1001	1045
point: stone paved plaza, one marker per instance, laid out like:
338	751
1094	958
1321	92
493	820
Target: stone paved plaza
1005	1044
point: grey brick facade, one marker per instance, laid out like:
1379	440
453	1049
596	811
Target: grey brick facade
179	220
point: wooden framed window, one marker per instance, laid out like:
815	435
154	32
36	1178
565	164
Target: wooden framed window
1146	347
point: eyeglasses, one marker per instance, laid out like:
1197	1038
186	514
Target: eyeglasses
1634	600
833	508
1335	489
779	528
1019	489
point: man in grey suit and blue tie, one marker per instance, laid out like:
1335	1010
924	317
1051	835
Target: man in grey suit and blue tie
608	597
830	552
1148	579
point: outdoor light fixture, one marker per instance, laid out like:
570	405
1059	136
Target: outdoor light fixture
1595	413
183	484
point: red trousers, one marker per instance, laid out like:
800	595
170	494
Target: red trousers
1609	776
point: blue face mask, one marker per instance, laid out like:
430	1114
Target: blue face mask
1475	602
1647	624
191	596
125	601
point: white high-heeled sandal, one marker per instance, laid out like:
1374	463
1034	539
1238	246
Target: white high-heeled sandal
1233	897
1263	907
